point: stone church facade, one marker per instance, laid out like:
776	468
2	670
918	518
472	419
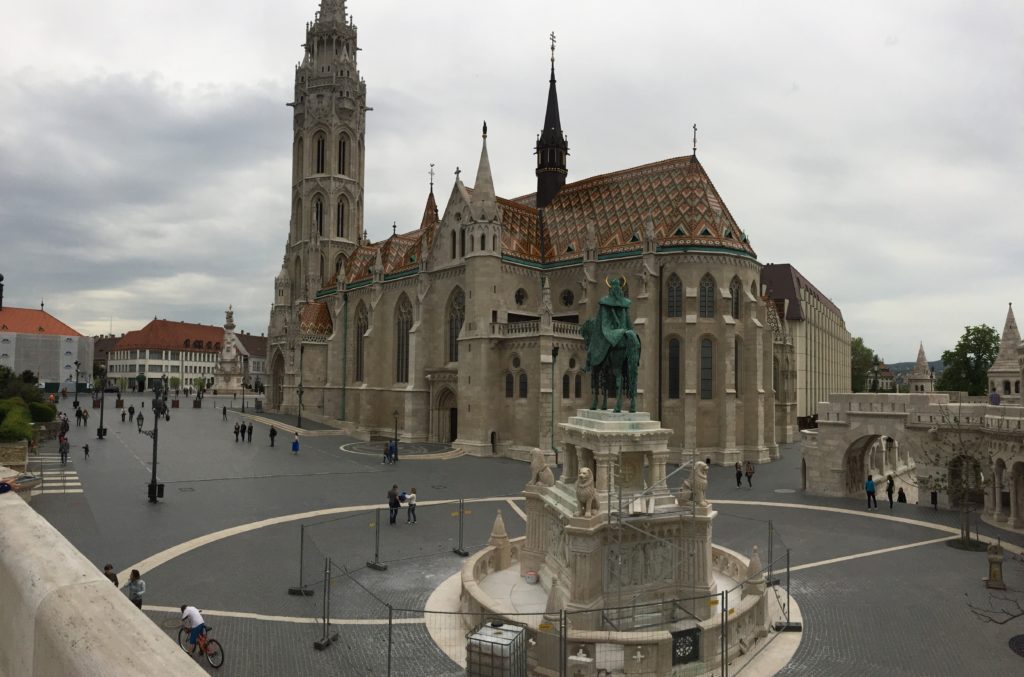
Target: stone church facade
466	329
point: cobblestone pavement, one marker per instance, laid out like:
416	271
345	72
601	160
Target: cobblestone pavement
900	612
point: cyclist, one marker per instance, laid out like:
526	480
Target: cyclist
190	617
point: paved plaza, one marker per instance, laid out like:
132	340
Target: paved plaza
880	592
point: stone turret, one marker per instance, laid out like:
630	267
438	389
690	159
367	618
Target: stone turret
1005	373
499	539
921	379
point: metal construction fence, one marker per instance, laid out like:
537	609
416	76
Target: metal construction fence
386	628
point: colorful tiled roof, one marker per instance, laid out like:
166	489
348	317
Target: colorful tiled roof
32	321
169	335
315	318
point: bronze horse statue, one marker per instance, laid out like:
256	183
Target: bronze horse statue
613	350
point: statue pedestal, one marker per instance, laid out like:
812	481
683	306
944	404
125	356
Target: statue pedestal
637	545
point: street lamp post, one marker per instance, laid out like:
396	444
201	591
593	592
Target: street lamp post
77	367
101	431
245	368
159	409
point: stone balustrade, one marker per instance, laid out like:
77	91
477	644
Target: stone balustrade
60	616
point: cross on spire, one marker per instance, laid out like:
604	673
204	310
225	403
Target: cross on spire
553	40
394	228
457	172
695	138
431	172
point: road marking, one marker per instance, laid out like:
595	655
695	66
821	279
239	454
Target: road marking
871	553
519	511
291	619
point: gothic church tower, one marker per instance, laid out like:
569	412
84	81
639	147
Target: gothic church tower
327	155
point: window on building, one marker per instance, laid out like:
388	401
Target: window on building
706	297
462	242
483	242
734	291
456	315
522	384
565	386
338	263
675	296
320	146
453	244
673	369
578	386
340	218
707	372
737	365
318	216
342	155
362	325
403	323
509	384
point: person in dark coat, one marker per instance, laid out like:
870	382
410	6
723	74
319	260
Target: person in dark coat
273	434
393	504
249	433
131	413
739	475
890	487
236	431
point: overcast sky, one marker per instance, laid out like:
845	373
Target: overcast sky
877	146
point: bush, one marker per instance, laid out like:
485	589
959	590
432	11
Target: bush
42	412
17	425
10	404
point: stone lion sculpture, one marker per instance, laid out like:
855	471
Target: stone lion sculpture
695	489
539	471
586	493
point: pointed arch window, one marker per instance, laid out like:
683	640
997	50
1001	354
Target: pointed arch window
318	216
510	383
456	315
453	244
343	156
707	370
340	217
320	149
675	296
462	242
338	263
403	324
673	369
706	296
735	290
565	386
362	325
483	242
578	386
522	385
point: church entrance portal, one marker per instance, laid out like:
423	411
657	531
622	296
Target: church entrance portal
277	382
445	417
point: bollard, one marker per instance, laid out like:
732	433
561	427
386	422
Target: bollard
461	551
376	563
302	589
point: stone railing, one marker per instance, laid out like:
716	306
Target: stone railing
566	328
61	616
532	327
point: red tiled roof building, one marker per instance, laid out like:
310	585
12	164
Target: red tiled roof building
448	330
36	341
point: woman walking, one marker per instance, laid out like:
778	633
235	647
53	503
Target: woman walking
295	444
410	504
739	475
136	588
750	474
890	487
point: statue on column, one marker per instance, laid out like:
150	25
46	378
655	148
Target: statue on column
613	348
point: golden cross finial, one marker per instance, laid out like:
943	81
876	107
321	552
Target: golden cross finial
552	38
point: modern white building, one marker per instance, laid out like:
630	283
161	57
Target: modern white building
34	340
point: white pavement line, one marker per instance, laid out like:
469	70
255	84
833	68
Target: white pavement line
870	553
291	619
519	511
861	513
173	552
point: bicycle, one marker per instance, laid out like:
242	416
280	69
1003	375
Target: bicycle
210	648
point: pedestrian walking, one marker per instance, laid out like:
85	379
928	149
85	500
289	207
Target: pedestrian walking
138	418
124	414
108	571
394	451
62	447
900	496
393	504
295	444
224	414
890	487
131	413
236	431
85	448
78	417
387	453
249	433
410	509
750	474
739	475
85	417
869	488
273	434
136	588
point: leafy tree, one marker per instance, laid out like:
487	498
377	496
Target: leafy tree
862	361
28	377
16	385
174	382
966	366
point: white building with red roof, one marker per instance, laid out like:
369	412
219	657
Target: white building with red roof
35	340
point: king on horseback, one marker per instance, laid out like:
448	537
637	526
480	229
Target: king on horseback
613	348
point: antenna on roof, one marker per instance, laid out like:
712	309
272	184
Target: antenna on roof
695	139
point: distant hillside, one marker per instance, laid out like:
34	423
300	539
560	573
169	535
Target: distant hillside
907	367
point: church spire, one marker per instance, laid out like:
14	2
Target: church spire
484	203
552	147
1006	360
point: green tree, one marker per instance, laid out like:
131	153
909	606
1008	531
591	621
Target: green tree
862	361
966	365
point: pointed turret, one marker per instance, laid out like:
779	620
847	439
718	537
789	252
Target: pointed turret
552	147
332	11
1005	373
921	378
430	216
500	542
484	204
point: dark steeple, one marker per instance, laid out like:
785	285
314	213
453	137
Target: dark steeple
552	148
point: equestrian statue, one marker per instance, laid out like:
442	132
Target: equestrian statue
613	348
